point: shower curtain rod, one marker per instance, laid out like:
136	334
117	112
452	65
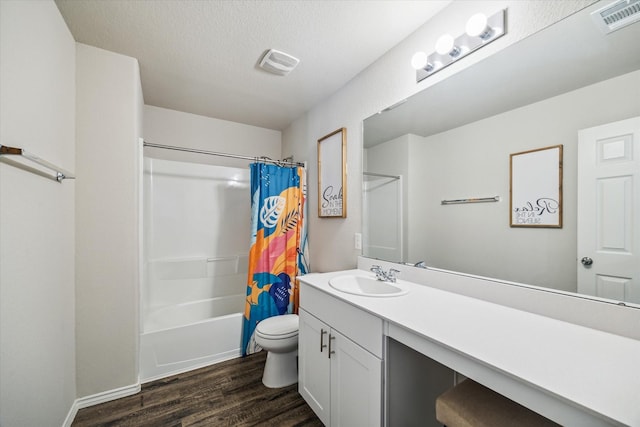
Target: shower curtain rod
381	175
262	159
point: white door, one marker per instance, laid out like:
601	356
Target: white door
609	211
356	384
314	365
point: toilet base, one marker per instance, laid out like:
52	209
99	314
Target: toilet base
281	369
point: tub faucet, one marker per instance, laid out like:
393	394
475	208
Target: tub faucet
383	276
420	264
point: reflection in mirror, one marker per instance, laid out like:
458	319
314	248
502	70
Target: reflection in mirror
453	141
382	201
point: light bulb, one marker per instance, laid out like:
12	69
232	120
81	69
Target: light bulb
477	26
446	46
419	60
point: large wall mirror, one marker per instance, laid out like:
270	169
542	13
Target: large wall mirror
453	141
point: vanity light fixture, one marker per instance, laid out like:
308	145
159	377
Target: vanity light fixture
446	45
480	31
419	60
478	26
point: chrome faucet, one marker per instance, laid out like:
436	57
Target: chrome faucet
419	264
380	274
389	276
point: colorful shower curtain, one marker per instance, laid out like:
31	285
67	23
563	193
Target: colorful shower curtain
278	245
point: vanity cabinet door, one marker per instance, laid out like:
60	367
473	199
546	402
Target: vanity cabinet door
341	381
356	384
314	370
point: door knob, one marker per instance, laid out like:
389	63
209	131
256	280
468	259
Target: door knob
586	261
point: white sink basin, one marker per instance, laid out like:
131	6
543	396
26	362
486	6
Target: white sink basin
368	286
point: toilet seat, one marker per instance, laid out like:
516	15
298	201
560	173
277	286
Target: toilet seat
278	327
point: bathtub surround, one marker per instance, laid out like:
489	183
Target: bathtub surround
37	226
195	258
391	159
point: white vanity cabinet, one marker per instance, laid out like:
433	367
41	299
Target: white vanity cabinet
339	360
482	339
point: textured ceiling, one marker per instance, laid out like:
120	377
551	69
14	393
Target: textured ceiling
201	56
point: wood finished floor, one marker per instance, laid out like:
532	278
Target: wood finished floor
226	394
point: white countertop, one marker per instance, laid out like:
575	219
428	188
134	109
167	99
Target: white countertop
596	371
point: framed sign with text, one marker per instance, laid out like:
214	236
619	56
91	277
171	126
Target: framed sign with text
332	197
536	188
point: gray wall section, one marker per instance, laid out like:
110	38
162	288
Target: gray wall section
37	113
107	229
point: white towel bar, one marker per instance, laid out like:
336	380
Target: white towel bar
61	174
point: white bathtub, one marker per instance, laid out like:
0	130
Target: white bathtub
190	313
193	317
190	339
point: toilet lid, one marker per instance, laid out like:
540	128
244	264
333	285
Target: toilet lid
279	326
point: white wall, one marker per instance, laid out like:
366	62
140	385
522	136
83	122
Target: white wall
384	83
109	123
170	127
37	112
473	161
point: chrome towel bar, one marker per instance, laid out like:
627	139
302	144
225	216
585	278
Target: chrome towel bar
471	200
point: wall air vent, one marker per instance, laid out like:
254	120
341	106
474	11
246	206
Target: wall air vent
277	62
616	15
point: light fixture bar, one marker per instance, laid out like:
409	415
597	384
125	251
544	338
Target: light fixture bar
462	45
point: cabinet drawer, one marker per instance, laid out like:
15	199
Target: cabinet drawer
361	327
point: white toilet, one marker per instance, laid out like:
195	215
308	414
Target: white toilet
278	335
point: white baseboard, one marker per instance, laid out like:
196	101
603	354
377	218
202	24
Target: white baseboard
94	399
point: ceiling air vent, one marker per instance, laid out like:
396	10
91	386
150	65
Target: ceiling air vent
277	62
616	15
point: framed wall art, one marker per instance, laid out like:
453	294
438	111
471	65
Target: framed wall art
332	195
536	188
